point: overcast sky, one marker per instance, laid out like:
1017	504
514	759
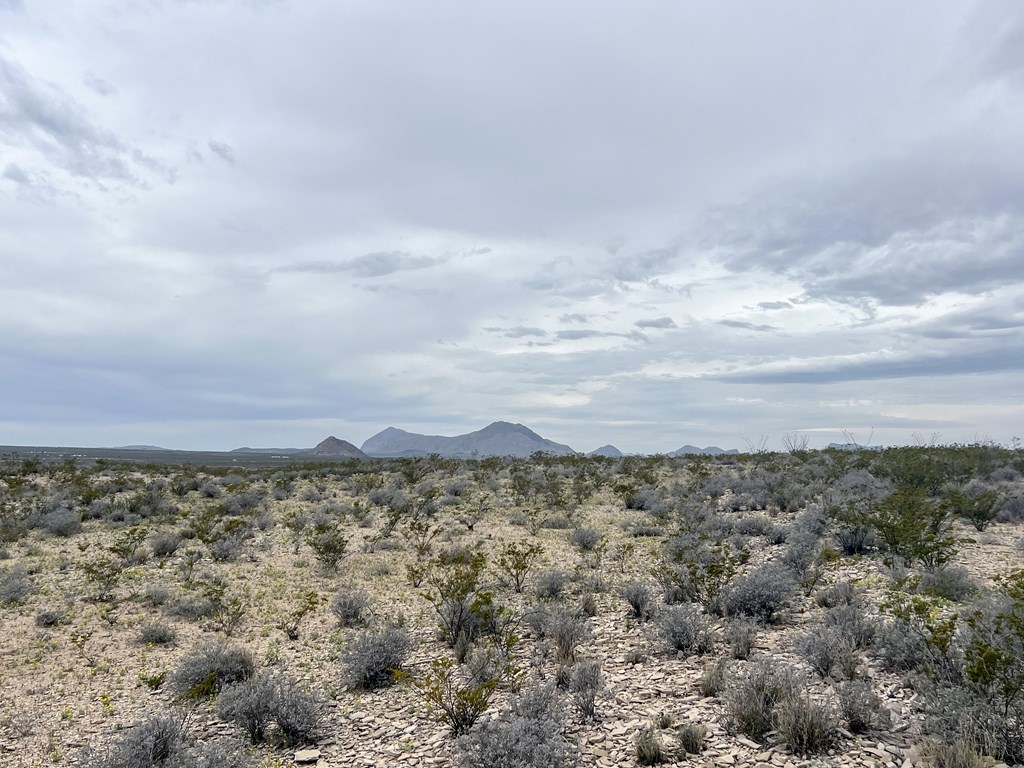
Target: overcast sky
248	222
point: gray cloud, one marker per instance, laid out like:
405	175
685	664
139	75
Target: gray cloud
371	265
222	150
98	85
459	233
743	324
656	322
39	115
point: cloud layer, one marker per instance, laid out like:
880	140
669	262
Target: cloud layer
232	222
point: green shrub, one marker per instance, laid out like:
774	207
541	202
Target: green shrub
516	561
913	528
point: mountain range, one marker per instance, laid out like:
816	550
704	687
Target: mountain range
500	438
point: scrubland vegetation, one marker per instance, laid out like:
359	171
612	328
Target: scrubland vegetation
861	607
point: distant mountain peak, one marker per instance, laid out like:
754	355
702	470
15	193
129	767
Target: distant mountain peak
499	438
606	450
332	446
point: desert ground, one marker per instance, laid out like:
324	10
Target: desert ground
860	608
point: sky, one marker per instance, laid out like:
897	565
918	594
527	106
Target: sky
259	222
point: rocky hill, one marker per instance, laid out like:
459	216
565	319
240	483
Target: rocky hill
498	439
606	450
342	449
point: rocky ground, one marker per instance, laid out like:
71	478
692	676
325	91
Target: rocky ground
86	679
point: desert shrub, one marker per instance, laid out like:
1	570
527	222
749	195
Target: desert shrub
51	617
761	594
740	636
588	605
351	606
640	598
267	700
712	679
155	742
851	622
949	583
61	521
562	630
516	561
156	634
15	586
686	629
751	702
528	734
801	551
828	652
165	543
463	607
913	528
584	683
960	752
692	570
900	649
692	737
372	657
457	699
648	747
586	539
1012	510
860	706
807	726
208	668
855	539
975	502
228	546
842	593
753	525
550	584
191	605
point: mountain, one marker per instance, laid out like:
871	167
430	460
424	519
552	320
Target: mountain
332	446
711	450
498	439
606	450
140	448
